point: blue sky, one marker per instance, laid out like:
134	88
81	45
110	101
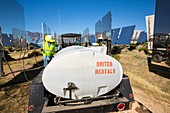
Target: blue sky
77	15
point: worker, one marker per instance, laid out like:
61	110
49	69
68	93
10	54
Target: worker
87	42
48	49
100	41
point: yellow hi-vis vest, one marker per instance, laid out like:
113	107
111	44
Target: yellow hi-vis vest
48	50
100	44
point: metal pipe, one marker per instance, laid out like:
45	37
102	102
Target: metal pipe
89	99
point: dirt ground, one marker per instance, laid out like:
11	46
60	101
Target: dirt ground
150	83
14	88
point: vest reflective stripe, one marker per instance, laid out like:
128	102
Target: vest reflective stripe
48	50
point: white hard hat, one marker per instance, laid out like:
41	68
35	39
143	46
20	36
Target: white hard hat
100	38
49	38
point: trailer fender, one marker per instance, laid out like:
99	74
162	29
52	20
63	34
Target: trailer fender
36	98
125	89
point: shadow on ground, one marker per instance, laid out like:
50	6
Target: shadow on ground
142	109
158	69
8	57
26	76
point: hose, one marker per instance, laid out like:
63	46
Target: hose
24	66
35	56
3	56
24	70
21	53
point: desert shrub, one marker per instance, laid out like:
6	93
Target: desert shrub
132	47
144	49
145	44
115	50
116	56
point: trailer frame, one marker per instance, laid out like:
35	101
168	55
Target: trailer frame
40	100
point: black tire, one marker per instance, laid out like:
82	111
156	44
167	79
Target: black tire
157	58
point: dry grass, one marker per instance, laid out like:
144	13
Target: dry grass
14	98
154	87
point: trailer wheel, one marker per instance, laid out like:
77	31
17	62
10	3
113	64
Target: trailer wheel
157	58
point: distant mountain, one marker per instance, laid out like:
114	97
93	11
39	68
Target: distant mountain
33	35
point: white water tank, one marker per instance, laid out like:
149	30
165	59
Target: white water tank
92	73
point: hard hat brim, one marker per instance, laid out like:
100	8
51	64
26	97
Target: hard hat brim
100	38
50	40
